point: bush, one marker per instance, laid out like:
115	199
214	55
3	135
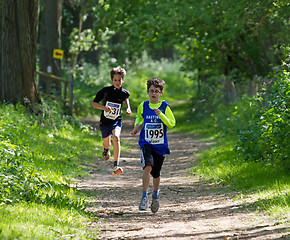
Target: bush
27	157
266	138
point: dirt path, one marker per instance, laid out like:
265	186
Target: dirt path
189	208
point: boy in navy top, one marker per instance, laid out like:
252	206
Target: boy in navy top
156	116
111	123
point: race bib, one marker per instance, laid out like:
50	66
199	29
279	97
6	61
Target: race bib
116	110
154	133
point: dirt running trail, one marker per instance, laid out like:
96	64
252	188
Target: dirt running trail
189	208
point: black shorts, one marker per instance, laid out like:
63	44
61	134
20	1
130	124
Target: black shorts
151	158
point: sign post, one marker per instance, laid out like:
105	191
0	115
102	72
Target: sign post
57	53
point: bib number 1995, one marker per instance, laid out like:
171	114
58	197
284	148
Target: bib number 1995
154	133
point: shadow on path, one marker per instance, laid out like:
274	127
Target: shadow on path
189	208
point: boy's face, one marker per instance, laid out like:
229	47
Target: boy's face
154	94
117	81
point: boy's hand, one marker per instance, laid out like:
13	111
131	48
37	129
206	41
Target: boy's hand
128	112
108	109
135	130
157	111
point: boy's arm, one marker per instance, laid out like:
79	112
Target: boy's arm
101	107
98	98
128	108
168	118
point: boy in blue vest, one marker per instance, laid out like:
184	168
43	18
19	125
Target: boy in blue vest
156	116
110	123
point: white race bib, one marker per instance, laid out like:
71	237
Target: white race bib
116	110
154	133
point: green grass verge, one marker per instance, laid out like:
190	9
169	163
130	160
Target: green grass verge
263	187
35	221
39	157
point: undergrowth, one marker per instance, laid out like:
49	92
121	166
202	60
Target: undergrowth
251	150
89	80
39	157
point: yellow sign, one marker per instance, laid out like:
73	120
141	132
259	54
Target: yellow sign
57	53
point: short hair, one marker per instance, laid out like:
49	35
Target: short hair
118	70
156	82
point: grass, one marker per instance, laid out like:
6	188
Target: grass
34	221
263	187
39	157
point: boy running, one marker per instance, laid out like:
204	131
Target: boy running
110	123
156	116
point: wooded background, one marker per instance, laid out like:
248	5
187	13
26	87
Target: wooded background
237	42
226	68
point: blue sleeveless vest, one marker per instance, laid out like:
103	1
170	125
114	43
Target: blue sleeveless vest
154	130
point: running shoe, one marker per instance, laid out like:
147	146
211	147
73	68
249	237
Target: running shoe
154	205
117	170
106	154
144	203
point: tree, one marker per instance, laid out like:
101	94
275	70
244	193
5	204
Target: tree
18	39
234	40
50	39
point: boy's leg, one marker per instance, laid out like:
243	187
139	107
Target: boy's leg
155	195
146	177
117	170
158	162
156	182
116	142
106	145
106	135
107	142
145	185
146	162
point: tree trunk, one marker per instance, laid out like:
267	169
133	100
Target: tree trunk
230	93
50	38
252	87
19	26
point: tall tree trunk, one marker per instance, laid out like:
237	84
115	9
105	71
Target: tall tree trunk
19	26
50	38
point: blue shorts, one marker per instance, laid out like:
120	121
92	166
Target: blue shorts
107	129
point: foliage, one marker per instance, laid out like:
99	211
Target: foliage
87	82
35	165
39	156
215	37
267	137
234	160
222	165
209	96
90	79
214	40
179	85
252	141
